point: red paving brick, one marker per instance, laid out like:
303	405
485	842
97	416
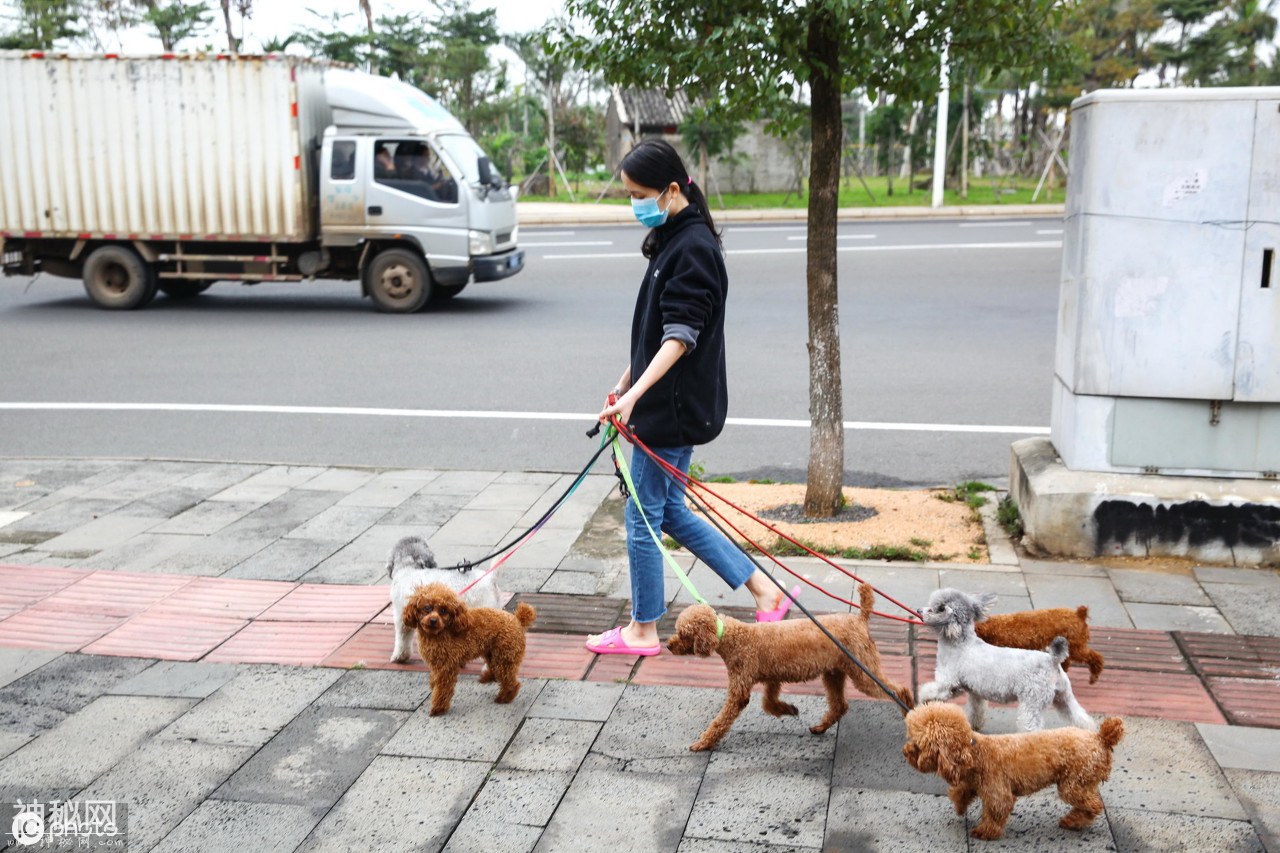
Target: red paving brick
117	593
371	647
1170	696
610	669
1229	655
329	603
297	643
1149	650
555	656
168	636
22	586
238	599
40	627
1249	701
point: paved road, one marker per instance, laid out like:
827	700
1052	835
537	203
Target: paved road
943	323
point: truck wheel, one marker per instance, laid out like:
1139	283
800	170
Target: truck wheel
115	277
182	290
398	281
446	291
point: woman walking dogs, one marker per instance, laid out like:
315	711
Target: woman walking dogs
673	394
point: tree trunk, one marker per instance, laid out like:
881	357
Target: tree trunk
233	45
551	142
964	141
702	166
826	409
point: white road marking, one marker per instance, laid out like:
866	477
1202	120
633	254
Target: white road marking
917	247
550	233
990	224
760	229
482	415
571	243
1050	231
841	237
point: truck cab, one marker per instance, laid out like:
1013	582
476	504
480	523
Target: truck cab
399	172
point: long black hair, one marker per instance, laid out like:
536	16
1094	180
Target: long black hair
654	163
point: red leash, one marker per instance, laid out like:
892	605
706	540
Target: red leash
688	481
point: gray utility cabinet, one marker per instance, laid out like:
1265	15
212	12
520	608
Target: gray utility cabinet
1168	348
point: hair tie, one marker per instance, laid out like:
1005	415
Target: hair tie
689	182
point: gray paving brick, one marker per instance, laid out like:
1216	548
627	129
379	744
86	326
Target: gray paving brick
908	584
1152	587
12	741
1053	568
646	810
510	496
345	566
572	583
176	678
1242	747
376	542
576	700
658	724
8	549
399	803
207	517
213	477
1153	768
869	753
781	800
1152	832
100	533
1177	617
544	551
285	475
1105	608
1220	574
1251	608
427	512
164	503
520	796
9	517
45	696
476	525
382	493
251	708
343	480
480	835
146	478
163	782
878	821
372	688
1259	793
67	515
284	560
276	518
709	845
314	758
475	729
460	483
15	663
339	523
1002	583
249	492
144	552
550	744
1033	827
222	826
85	745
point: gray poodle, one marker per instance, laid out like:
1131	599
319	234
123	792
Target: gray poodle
1034	680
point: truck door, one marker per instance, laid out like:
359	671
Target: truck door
341	193
414	193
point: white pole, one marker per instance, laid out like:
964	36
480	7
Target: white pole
940	136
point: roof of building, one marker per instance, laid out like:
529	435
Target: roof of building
651	107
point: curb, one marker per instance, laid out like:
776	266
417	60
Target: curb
566	213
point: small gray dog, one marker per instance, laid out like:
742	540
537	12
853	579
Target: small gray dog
413	564
994	673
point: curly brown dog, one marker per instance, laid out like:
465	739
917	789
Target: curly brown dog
1035	629
777	652
1000	768
450	634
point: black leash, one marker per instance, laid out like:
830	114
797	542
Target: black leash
468	565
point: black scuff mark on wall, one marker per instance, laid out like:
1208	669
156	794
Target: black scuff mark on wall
1198	523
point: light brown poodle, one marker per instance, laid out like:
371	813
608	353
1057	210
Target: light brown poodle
450	634
1035	629
1000	768
778	652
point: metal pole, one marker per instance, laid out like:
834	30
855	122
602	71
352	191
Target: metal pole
940	136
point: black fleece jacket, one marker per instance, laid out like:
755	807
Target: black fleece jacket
682	297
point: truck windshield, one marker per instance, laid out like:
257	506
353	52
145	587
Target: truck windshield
464	151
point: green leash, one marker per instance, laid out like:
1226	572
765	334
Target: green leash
620	460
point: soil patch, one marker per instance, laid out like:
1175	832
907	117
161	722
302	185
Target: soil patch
882	518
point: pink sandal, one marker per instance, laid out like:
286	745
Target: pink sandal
611	643
780	612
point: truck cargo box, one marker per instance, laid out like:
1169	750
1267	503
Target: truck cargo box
151	148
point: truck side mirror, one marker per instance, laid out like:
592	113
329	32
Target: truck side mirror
486	171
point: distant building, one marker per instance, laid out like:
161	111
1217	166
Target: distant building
765	162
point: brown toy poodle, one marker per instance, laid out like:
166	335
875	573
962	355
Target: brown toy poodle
1036	629
450	634
1000	768
777	652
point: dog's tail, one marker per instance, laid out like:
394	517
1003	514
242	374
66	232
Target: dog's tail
866	600
1110	732
1082	613
1058	650
525	614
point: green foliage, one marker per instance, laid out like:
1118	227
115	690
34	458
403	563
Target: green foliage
697	470
337	39
177	21
1009	516
970	493
42	23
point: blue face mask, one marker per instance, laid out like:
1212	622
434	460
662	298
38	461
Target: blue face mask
647	212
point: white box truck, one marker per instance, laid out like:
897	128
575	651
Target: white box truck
173	172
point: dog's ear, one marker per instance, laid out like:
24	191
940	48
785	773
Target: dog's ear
703	633
911	752
412	612
955	765
982	604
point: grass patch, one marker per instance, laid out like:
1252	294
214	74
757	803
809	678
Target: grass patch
763	481
970	492
1009	516
721	479
901	553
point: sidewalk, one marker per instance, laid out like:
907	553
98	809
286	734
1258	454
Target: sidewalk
207	642
569	213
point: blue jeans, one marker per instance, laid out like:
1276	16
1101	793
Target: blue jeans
664	506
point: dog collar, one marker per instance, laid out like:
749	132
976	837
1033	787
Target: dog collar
719	628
